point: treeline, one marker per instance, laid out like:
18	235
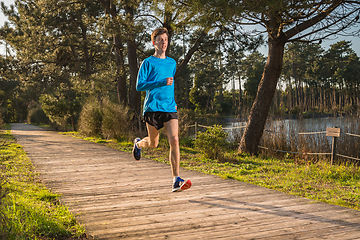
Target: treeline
61	54
64	55
318	80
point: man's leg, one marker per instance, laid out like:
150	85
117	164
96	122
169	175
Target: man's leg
152	140
172	131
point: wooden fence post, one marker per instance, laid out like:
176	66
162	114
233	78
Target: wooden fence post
196	127
334	133
333	150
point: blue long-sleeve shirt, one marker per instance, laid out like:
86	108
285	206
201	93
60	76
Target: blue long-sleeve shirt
152	79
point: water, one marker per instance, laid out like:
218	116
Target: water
284	134
294	126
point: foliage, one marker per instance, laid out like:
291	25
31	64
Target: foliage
104	118
254	67
36	115
186	118
207	82
76	49
212	142
2	123
27	209
91	118
116	120
59	108
319	181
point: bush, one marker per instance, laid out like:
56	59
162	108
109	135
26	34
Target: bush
91	119
296	110
2	123
186	118
116	120
36	115
105	119
351	109
212	142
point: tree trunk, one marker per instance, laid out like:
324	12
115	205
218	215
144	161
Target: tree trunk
168	22
120	72
240	90
73	122
119	57
135	96
86	51
233	91
289	96
306	104
17	108
259	112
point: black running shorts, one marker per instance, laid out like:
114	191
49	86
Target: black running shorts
157	119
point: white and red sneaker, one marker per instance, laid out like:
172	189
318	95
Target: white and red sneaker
180	184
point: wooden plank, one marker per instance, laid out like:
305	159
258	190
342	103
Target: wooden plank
117	197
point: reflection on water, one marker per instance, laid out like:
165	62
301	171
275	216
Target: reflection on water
291	126
284	134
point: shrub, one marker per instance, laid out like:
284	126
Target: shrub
105	119
116	120
212	142
36	115
91	119
2	123
186	118
296	110
351	109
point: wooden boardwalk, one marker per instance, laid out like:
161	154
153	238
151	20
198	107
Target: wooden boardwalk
117	197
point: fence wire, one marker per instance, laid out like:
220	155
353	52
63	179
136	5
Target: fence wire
303	133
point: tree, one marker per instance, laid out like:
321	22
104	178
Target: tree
298	59
207	82
342	72
61	105
284	21
234	70
54	44
122	19
254	67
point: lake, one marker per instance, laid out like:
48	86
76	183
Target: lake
284	134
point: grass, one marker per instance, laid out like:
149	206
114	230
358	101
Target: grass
28	210
317	180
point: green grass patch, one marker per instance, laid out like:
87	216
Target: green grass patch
28	210
334	184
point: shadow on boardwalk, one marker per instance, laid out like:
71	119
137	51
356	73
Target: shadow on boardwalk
117	197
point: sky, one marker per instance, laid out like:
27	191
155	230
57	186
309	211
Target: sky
326	43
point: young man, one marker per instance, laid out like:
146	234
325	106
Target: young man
156	77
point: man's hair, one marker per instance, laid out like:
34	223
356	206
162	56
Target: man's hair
158	32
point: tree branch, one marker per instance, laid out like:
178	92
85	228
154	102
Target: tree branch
305	25
188	56
149	15
327	26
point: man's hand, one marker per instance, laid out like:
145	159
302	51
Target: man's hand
169	81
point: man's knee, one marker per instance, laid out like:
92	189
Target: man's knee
174	141
154	144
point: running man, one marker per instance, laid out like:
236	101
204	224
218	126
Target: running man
156	77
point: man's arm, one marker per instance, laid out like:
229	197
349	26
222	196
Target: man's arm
146	82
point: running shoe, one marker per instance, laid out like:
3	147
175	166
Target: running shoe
136	151
181	185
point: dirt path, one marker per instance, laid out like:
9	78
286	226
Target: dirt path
117	197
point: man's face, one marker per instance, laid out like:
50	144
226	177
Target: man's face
161	42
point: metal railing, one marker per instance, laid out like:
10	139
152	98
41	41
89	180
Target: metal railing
331	132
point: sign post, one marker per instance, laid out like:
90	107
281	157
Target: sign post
334	133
